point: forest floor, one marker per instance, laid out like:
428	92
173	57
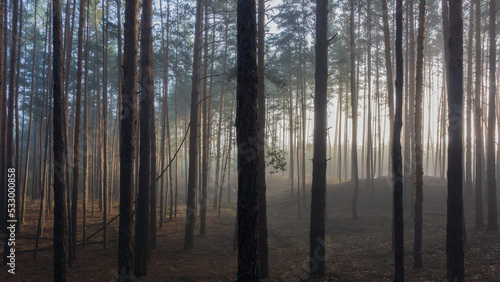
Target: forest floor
356	250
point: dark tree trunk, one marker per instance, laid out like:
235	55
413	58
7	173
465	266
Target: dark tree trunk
247	129
396	152
454	227
263	247
490	142
59	121
477	124
128	121
318	190
142	227
193	136
419	171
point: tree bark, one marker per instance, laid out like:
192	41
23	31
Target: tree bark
478	136
398	224
419	171
193	135
468	136
128	128
318	191
59	121
247	138
454	226
76	141
142	227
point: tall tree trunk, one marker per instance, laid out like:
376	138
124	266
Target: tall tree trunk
142	227
468	137
105	126
454	226
17	155
25	181
354	106
247	137
263	247
86	130
204	139
419	171
410	187
369	148
193	136
164	108
76	141
59	121
396	152
490	142
318	191
127	141
478	136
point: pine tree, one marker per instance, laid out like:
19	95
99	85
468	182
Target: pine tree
419	171
59	121
396	152
454	226
318	190
142	227
128	127
247	139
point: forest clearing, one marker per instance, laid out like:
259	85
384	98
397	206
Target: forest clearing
355	249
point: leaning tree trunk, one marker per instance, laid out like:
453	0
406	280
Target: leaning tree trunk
318	190
454	226
247	139
419	171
